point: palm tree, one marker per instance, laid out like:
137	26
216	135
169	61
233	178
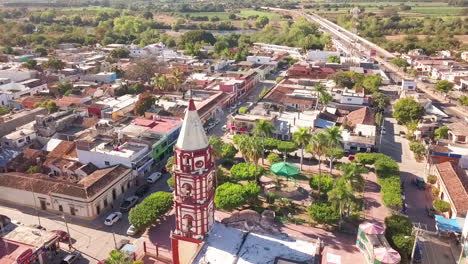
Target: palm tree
176	79
243	144
160	82
334	138
322	95
120	257
263	129
341	195
254	152
317	146
353	173
302	137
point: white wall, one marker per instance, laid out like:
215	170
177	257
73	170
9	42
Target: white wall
321	55
365	130
99	159
356	100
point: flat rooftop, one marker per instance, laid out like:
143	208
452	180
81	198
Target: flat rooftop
125	150
252	248
19	134
27	235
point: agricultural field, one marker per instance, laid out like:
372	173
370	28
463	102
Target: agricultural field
417	9
462	38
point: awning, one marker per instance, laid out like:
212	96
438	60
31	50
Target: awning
448	225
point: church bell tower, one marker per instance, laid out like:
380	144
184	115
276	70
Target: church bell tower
194	175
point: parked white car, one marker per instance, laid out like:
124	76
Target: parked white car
113	218
154	177
131	231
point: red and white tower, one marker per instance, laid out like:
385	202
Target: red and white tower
194	174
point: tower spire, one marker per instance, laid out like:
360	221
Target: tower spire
192	135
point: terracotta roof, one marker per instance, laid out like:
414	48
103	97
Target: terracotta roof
456	183
65	148
40	183
458	128
363	116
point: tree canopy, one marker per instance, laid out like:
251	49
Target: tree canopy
444	86
407	110
150	209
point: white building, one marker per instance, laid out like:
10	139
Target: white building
86	198
349	96
105	151
117	107
408	85
262	60
321	55
18	138
101	78
11	91
17	75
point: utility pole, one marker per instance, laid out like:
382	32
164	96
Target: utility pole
68	231
35	204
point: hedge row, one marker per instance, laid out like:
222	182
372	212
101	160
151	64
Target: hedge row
388	174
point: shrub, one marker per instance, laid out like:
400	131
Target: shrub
150	209
435	191
228	151
441	206
229	196
246	171
270	143
324	182
251	191
323	213
273	158
243	110
418	149
399	234
270	197
398	224
170	181
388	175
432	179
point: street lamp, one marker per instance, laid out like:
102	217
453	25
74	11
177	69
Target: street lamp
68	231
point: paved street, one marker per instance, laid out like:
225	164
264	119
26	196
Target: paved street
397	147
92	238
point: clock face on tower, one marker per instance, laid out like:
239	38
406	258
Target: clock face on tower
199	164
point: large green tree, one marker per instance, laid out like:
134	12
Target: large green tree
229	196
444	86
407	110
441	132
150	209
